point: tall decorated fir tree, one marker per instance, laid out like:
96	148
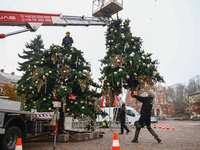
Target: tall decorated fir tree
126	64
62	74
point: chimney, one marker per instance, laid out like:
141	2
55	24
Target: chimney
2	70
13	73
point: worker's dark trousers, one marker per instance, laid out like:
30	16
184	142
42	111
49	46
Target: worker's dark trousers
139	124
123	126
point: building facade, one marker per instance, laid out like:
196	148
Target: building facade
163	104
6	78
194	103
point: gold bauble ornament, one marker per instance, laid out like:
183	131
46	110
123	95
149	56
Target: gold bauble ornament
61	83
44	99
134	47
68	109
72	49
117	83
132	40
129	27
50	109
108	84
50	72
111	30
36	82
22	89
115	31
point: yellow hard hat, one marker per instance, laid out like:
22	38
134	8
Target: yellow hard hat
68	32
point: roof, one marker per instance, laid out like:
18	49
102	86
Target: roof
196	93
11	78
169	99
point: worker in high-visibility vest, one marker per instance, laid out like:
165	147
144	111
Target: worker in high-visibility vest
67	40
147	104
122	119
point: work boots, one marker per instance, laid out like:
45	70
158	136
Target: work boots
135	141
158	139
137	131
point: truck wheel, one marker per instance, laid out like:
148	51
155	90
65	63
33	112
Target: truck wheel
10	138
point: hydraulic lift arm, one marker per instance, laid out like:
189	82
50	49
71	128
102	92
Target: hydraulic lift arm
32	21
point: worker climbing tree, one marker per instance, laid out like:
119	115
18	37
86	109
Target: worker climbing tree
126	63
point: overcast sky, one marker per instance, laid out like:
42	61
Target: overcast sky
170	30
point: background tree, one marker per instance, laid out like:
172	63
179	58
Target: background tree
179	93
126	64
9	90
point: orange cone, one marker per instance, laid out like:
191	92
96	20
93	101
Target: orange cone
163	126
167	126
159	126
115	142
154	125
172	127
19	144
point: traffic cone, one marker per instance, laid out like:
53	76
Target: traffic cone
19	144
159	126
115	142
167	126
172	127
154	125
163	126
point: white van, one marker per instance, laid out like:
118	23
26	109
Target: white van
132	115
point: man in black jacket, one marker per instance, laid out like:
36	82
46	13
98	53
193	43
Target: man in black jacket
122	119
145	116
67	40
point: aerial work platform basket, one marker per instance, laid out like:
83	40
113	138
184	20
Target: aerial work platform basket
106	8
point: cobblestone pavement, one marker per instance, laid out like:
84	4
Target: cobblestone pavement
186	136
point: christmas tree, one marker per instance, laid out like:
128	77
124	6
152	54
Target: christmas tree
62	74
26	88
126	64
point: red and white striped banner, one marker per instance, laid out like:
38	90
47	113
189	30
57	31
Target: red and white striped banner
42	116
